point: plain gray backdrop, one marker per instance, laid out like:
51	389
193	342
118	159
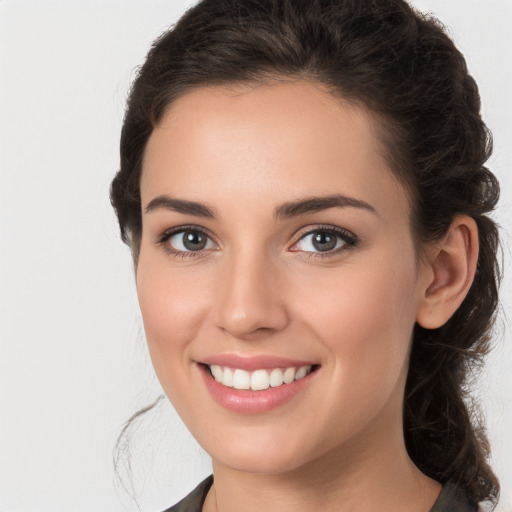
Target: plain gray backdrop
73	363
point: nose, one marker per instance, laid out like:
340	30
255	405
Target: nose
251	303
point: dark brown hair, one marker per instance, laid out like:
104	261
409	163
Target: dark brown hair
403	67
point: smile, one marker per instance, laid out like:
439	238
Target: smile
255	385
257	380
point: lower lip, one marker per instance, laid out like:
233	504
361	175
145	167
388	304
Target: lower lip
252	402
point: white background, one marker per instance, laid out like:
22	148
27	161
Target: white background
73	365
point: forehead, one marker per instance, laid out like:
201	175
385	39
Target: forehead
285	139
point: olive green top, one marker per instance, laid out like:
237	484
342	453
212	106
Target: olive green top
451	499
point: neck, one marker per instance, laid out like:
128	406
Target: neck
373	472
377	486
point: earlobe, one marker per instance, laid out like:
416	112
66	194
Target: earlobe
450	271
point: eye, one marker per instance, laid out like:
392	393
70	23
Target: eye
186	240
325	240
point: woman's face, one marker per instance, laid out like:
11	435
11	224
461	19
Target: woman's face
276	245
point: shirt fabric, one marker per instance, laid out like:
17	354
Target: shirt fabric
451	499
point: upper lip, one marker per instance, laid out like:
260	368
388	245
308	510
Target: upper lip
256	362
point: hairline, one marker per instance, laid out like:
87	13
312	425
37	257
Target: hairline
385	133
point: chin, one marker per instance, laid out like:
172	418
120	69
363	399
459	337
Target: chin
260	463
255	453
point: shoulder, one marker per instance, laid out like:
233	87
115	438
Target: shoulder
453	499
193	502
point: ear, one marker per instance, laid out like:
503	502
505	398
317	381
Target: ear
449	273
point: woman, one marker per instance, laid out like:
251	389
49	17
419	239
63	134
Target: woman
303	189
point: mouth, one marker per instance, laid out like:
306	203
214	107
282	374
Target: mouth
259	379
256	385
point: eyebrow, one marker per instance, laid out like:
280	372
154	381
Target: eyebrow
165	202
318	204
284	211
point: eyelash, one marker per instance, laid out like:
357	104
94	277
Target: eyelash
168	234
349	241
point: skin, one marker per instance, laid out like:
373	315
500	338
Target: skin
259	288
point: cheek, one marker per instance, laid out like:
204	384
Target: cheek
170	305
365	315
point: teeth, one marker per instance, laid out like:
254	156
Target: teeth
289	375
260	380
276	377
301	372
241	379
257	380
217	372
227	377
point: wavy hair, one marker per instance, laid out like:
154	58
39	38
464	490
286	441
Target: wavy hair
404	68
